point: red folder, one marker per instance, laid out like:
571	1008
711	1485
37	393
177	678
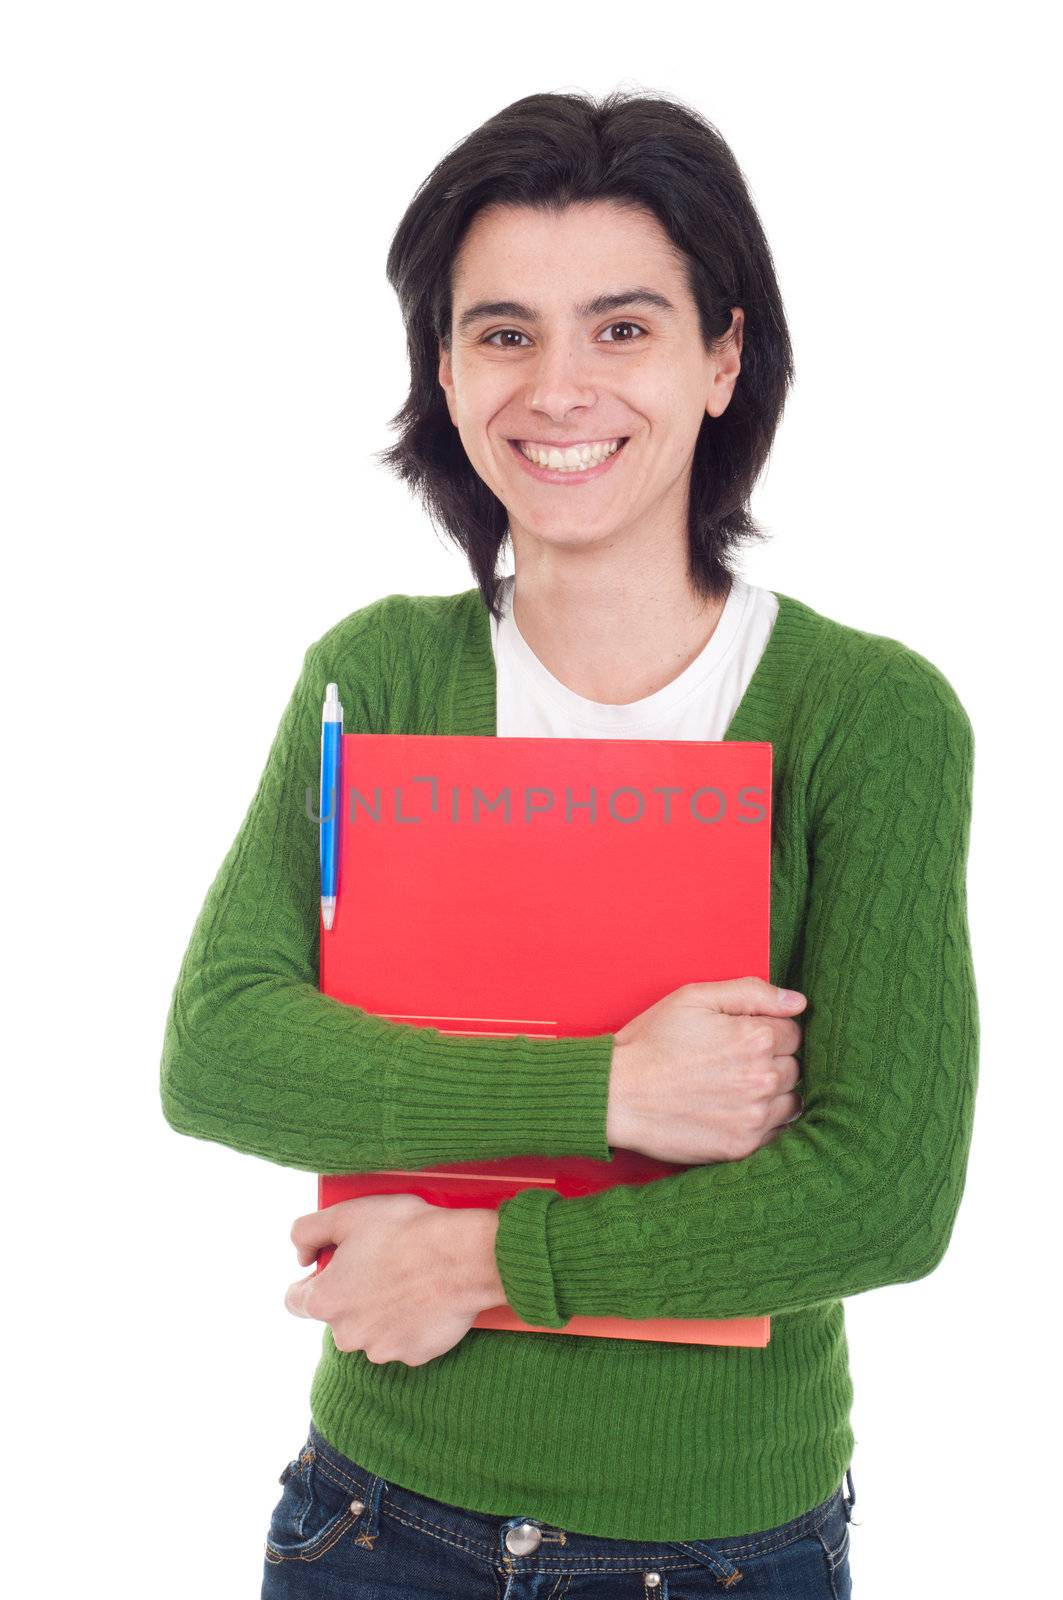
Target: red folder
545	887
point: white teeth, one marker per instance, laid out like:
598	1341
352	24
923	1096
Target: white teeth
575	459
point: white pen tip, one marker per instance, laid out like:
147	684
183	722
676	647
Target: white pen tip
328	912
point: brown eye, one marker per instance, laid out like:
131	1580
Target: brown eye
613	325
498	332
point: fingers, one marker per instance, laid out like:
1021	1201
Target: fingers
785	1108
307	1235
787	1034
315	1229
789	1069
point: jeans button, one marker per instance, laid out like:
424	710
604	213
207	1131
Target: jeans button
523	1540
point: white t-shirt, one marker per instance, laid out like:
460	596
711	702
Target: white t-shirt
699	704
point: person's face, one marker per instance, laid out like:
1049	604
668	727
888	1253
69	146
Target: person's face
537	363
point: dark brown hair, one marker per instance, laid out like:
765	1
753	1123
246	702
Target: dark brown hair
550	151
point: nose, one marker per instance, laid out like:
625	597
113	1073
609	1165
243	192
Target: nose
561	382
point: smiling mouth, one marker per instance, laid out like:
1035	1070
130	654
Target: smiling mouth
574	460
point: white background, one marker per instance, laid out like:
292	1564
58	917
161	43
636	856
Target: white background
199	354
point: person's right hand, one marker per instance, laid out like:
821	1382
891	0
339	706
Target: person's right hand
706	1074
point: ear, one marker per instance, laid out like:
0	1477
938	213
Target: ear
727	367
446	379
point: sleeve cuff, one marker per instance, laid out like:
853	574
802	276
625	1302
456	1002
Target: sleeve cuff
522	1255
471	1097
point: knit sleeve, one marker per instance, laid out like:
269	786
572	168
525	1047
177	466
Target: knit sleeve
256	1057
863	1188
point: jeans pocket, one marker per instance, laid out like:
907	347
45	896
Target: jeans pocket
314	1510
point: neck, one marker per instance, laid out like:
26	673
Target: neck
615	637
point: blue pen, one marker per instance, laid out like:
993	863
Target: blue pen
331	800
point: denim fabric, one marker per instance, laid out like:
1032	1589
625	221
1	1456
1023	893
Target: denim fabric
339	1532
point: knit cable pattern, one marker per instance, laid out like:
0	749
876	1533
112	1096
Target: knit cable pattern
871	804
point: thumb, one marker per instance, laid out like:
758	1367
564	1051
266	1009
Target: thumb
754	997
295	1298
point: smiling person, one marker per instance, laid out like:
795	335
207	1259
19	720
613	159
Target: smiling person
599	365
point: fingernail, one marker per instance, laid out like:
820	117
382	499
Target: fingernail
790	997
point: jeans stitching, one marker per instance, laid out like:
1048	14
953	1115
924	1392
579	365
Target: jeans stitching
338	1478
831	1569
447	1536
331	1532
470	1546
836	1557
763	1546
311	1552
559	1565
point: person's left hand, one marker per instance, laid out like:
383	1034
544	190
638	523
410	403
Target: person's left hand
407	1279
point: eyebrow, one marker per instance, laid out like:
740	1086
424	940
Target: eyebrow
597	307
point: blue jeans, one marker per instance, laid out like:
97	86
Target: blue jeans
340	1532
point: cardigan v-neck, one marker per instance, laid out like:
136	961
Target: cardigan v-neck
472	686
